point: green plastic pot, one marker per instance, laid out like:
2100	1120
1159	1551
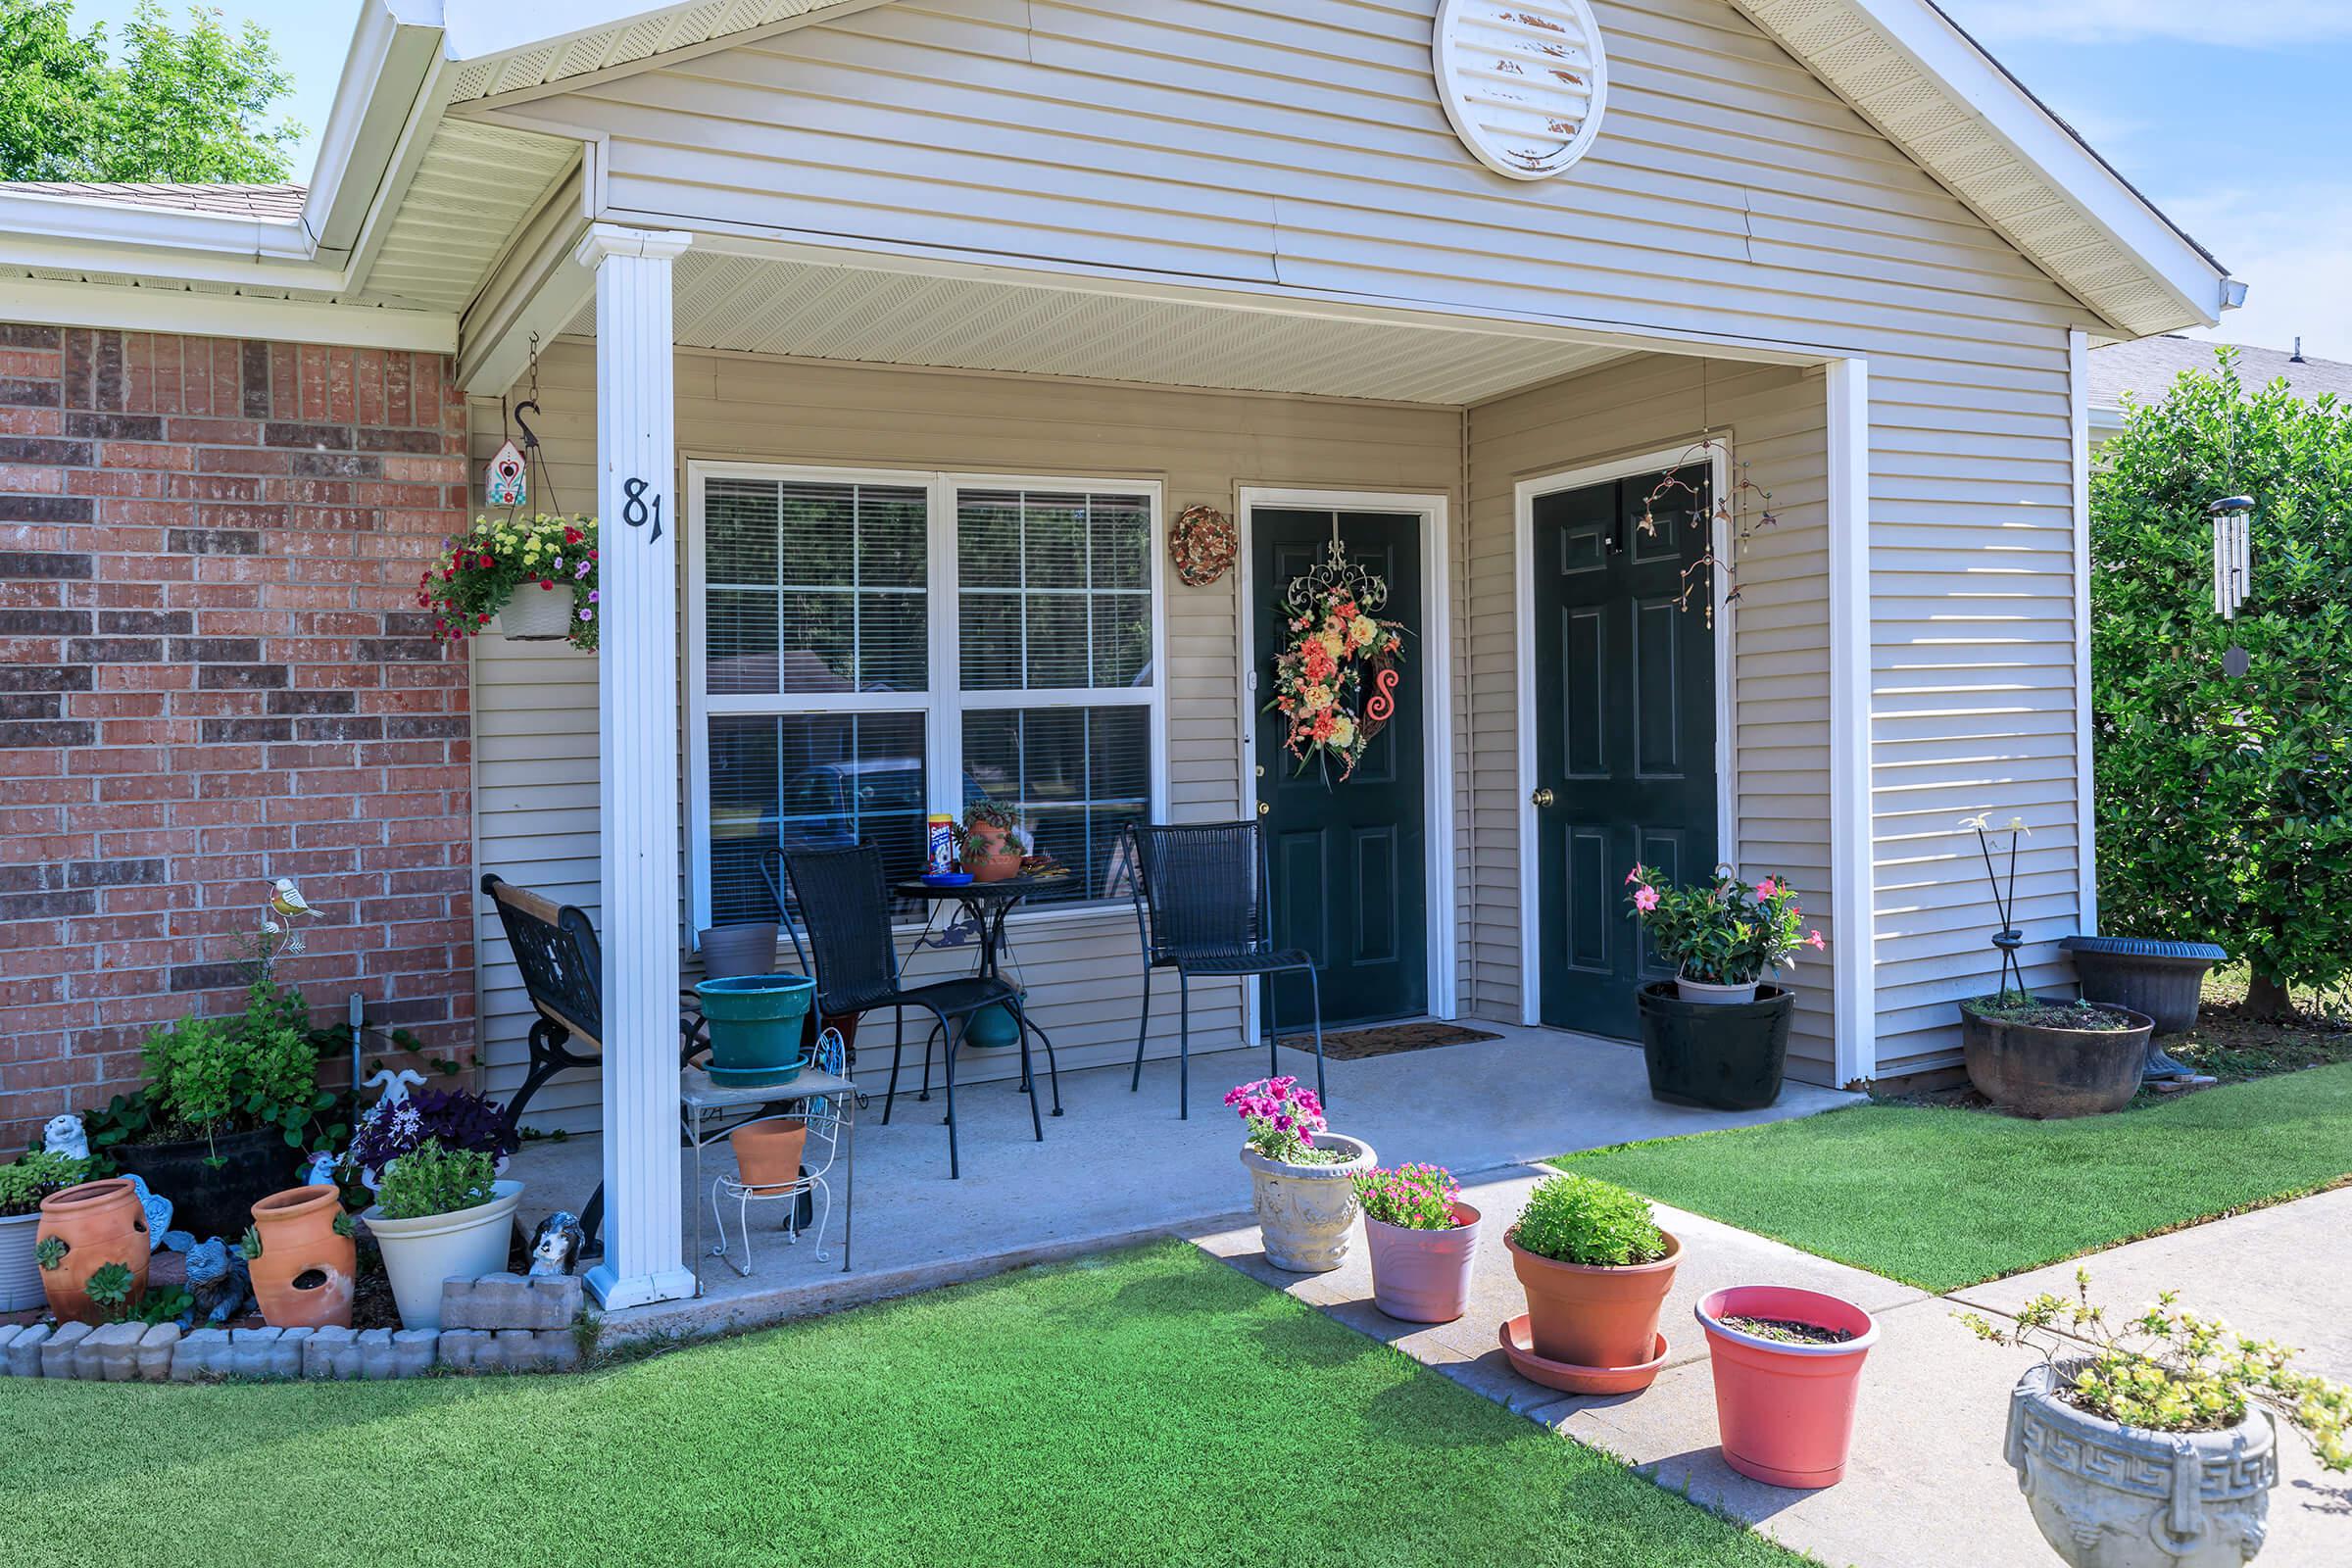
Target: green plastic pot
755	1023
994	1028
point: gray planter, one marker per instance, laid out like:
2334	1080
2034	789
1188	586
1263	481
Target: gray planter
2163	979
2106	1495
734	952
2043	1072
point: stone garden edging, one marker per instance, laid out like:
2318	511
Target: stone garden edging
493	1323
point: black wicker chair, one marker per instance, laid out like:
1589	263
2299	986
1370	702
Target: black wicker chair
844	901
1202	906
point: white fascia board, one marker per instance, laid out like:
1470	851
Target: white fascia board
116	307
385	75
65	220
1937	46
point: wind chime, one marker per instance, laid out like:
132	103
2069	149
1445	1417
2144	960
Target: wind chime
1734	518
2232	552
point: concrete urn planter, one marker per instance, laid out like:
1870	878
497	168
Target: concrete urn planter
2107	1495
1306	1213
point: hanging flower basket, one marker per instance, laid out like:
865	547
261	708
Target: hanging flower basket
536	576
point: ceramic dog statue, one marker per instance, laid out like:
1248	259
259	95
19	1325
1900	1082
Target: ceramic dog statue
555	1246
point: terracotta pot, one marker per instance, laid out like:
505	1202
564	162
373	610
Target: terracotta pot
1590	1316
304	1276
1786	1412
767	1153
990	855
1423	1276
99	1223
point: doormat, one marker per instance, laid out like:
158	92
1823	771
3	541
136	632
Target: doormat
1355	1045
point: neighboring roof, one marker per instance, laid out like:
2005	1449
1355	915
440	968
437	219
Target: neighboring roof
2146	369
235	201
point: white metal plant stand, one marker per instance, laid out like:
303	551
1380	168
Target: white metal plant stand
827	1104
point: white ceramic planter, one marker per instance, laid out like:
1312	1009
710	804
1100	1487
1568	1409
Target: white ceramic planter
2114	1497
536	615
19	1274
420	1254
1306	1213
1702	991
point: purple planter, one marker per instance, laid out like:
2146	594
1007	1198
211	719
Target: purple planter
1423	1276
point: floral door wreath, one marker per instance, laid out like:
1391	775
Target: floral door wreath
1202	545
1336	682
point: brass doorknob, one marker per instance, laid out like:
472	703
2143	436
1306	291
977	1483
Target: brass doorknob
1263	809
1541	799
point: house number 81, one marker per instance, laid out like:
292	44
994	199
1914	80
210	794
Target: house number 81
636	512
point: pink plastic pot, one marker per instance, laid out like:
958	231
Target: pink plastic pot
1786	1412
1423	1276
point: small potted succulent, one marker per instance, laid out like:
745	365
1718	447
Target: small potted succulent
1422	1239
1715	1034
1597	1268
1788	1370
440	1212
1301	1175
2035	1055
993	850
536	576
2153	1442
24	1182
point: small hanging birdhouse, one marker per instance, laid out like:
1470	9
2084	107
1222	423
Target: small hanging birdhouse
2232	552
503	484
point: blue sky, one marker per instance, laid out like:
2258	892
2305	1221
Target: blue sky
2233	116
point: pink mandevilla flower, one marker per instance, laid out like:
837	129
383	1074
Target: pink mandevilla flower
1645	899
1767	888
1814	941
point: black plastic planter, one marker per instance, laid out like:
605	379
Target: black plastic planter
211	1200
1725	1056
2162	979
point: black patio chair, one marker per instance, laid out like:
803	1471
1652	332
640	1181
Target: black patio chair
562	967
843	900
1202	906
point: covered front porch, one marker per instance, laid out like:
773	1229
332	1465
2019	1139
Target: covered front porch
1121	1167
883	539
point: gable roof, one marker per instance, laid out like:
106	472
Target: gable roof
412	207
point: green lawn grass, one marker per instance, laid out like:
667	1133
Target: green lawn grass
1941	1197
1148	1407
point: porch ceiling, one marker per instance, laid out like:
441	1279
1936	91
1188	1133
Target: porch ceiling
766	304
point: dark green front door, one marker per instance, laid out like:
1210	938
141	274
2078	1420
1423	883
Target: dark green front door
1349	862
1625	734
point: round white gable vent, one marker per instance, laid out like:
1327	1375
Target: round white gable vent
1524	81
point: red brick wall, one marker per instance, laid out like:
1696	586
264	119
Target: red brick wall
211	673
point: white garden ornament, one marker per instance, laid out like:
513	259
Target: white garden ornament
2233	552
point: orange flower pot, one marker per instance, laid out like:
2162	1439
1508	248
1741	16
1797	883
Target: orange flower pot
767	1153
99	1223
304	1277
1590	1316
990	855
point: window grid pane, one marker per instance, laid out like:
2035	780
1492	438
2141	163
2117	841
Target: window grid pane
1041	575
1076	776
809	782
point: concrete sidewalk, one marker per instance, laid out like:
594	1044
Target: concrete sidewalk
1927	1487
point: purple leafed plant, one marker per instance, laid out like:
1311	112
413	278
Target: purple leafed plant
457	1117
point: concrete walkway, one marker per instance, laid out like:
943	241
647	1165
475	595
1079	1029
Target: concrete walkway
1927	1487
1121	1167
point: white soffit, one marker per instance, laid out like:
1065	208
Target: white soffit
473	189
764	305
1954	140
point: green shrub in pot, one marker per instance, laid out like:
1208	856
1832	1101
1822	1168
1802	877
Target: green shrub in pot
435	1179
24	1182
1575	1219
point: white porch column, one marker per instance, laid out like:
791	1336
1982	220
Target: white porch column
1855	991
637	748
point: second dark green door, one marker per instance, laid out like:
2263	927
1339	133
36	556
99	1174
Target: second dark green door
1349	862
1625	734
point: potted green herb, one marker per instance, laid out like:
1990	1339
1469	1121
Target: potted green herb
2152	1442
1716	1035
229	1105
440	1212
24	1182
1597	1268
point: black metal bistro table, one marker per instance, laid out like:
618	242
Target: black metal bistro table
986	903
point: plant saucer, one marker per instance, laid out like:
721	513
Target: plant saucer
1519	1345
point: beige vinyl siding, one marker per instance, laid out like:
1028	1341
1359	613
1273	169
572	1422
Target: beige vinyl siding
1730	193
1778	768
536	707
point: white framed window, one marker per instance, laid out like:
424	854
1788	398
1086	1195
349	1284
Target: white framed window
868	647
